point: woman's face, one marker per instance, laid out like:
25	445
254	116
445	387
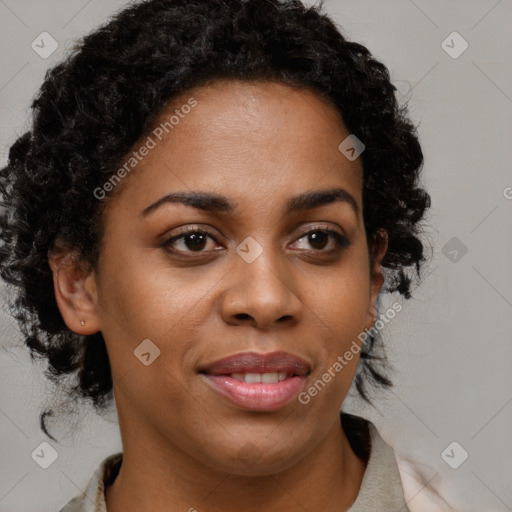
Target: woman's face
265	278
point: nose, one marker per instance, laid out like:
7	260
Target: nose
261	294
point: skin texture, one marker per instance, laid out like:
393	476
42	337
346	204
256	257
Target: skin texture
186	446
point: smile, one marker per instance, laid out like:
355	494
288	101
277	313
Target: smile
257	382
255	378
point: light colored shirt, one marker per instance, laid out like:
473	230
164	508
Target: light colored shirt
381	487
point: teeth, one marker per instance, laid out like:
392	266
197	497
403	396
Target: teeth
269	378
255	378
252	378
282	376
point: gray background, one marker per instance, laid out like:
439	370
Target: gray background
451	344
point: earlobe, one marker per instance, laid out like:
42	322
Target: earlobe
75	292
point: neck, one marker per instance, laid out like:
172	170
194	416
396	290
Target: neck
328	479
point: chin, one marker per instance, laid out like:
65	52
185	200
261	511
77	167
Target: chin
253	459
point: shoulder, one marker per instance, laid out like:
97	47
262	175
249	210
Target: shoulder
381	487
93	498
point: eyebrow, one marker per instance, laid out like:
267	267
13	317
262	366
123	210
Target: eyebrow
211	202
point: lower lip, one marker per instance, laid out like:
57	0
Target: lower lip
259	396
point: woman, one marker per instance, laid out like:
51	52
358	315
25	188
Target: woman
201	220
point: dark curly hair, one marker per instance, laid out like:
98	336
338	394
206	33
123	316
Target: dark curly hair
96	104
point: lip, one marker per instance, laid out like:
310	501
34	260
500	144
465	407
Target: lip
258	396
245	362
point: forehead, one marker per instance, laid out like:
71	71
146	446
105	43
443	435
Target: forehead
258	141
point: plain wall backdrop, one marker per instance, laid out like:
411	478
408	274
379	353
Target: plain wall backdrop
450	345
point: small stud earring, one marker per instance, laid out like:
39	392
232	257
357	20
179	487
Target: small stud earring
82	322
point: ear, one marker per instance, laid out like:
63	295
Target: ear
380	246
75	291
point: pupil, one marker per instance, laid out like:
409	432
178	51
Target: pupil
195	241
317	238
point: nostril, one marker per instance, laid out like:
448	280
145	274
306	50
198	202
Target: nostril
242	316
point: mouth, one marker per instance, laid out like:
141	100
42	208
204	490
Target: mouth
258	382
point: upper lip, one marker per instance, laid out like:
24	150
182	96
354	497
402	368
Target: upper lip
254	362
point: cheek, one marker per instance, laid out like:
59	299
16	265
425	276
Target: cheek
143	303
341	299
150	297
143	299
341	302
342	308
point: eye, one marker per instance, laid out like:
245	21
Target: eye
191	240
319	239
201	240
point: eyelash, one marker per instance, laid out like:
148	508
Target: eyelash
341	241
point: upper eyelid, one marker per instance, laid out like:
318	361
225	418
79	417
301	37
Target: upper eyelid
209	231
194	228
320	227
